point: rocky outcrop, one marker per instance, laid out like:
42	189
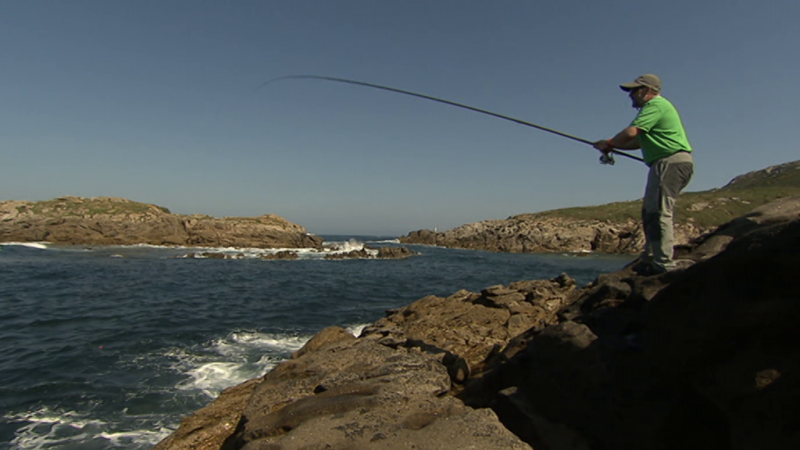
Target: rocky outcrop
284	255
368	252
701	358
117	221
532	233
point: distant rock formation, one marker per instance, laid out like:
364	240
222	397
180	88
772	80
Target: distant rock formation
118	221
532	234
369	253
706	357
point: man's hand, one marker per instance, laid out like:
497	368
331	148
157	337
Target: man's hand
602	146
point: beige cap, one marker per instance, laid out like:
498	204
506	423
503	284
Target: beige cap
649	80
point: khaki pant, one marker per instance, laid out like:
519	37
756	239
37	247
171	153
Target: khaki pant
667	178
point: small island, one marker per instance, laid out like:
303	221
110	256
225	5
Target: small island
117	221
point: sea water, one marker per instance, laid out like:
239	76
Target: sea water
110	347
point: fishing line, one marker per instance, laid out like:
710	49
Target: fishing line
447	102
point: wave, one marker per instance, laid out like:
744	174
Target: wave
385	241
44	428
231	360
40	245
118	251
329	248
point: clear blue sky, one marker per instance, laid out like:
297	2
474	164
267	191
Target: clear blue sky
156	101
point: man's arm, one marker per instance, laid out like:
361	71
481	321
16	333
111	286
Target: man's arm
624	140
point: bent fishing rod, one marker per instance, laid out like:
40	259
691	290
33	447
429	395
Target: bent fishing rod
447	102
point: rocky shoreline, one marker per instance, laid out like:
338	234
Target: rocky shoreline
701	358
534	234
118	221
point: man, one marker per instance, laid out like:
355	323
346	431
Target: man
658	131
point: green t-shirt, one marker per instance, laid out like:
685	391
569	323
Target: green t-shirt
661	132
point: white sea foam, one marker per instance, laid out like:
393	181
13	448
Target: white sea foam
45	429
124	439
356	330
232	360
40	245
256	339
344	246
386	241
329	248
253	253
227	252
212	378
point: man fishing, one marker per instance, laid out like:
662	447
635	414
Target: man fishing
658	131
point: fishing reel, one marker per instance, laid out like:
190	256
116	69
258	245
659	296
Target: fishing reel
607	159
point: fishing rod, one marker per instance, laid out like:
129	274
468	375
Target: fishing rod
447	102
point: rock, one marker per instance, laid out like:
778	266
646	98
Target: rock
328	336
711	244
471	325
370	252
283	255
353	254
342	393
394	252
541	234
211	426
728	331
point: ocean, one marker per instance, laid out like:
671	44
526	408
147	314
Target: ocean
110	347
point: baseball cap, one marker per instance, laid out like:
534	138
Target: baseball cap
648	80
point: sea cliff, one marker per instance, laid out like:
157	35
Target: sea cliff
705	357
118	221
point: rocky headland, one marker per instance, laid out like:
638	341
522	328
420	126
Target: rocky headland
706	357
616	227
118	221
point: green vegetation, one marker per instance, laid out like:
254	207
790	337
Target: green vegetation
706	208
